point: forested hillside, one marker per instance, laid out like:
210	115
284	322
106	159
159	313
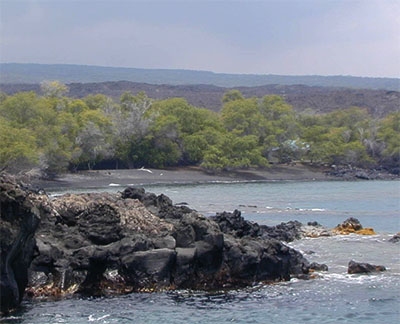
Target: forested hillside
302	98
69	73
56	133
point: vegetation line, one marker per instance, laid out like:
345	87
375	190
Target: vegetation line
56	133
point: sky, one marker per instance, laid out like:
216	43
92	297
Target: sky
286	37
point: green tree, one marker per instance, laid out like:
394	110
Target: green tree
130	126
93	139
232	95
270	119
389	134
19	109
98	101
349	118
40	116
281	128
184	128
18	149
54	89
243	117
60	132
234	152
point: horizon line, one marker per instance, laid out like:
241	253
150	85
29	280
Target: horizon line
202	71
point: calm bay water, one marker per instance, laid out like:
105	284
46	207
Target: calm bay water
334	297
376	204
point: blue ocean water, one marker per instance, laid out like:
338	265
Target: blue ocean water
375	203
334	297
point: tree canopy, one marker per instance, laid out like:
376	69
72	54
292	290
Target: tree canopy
57	133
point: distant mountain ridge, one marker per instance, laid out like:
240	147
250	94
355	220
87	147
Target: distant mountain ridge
31	73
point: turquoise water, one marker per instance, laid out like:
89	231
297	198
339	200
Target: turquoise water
375	203
334	297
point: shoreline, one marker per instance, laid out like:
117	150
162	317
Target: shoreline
192	175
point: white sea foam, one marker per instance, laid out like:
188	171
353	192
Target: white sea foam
356	279
297	209
91	318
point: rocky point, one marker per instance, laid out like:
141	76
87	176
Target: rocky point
99	244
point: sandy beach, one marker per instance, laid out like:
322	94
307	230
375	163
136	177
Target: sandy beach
143	176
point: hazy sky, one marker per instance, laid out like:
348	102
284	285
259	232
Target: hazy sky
291	37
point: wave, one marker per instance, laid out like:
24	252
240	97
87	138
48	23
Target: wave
358	279
91	318
286	209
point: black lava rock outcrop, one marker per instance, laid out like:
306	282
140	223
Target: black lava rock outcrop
20	216
358	267
348	172
234	224
395	238
100	244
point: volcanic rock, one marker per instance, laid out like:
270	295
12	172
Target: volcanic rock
352	225
395	238
356	267
100	244
20	216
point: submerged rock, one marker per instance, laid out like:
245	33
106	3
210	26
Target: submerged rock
356	267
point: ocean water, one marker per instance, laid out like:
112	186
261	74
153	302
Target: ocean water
333	297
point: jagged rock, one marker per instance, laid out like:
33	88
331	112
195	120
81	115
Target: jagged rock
88	238
151	269
318	267
102	244
234	224
313	231
361	174
139	241
20	216
255	252
352	225
356	267
349	226
287	232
